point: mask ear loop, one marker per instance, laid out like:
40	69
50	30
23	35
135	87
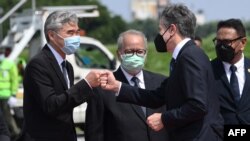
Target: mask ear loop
165	32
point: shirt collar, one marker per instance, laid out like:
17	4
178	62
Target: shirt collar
129	76
179	47
58	57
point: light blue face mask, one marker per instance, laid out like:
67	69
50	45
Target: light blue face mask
71	44
132	63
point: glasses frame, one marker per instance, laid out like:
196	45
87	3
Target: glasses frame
226	41
138	52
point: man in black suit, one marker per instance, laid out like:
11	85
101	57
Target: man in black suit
233	87
192	108
108	120
49	93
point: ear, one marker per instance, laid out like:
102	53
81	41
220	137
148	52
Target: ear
173	29
243	42
51	35
118	55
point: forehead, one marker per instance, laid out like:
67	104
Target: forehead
69	26
227	33
132	41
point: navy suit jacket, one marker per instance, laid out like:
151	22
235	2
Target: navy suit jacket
109	120
233	113
192	106
48	103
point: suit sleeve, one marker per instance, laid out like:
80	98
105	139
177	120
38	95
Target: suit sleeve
94	122
42	85
194	86
148	98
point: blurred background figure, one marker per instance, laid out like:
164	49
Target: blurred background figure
198	41
4	131
8	88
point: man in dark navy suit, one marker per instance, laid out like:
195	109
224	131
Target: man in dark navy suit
232	72
192	107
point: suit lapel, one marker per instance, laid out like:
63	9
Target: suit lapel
53	63
121	77
245	92
221	74
148	85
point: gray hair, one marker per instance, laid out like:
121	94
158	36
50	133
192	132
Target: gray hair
182	17
57	19
133	32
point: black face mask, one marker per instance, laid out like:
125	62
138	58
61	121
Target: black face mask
225	52
160	44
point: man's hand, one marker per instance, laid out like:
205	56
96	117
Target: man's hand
93	77
154	122
108	82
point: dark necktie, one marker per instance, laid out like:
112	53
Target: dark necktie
136	84
234	83
64	70
172	65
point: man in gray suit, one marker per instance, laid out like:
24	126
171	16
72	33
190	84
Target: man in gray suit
109	120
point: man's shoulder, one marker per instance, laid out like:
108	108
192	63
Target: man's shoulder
39	58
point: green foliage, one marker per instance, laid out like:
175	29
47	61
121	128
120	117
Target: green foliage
106	27
149	27
206	29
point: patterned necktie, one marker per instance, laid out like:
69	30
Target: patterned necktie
64	70
136	84
234	83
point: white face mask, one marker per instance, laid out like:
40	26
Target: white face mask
2	57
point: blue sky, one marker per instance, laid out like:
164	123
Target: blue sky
213	9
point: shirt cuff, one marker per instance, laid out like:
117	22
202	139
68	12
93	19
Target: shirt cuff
88	83
117	93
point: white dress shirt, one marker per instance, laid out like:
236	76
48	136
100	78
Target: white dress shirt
240	72
139	76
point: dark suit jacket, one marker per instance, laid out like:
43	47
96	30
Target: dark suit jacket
48	105
232	113
192	106
108	120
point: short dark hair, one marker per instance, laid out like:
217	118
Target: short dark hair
233	23
182	17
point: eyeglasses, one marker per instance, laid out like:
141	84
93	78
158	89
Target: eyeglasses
138	52
225	41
